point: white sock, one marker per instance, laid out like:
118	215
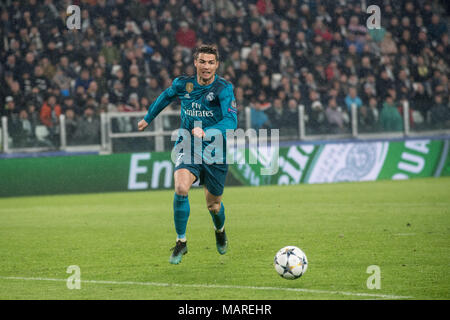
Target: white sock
182	239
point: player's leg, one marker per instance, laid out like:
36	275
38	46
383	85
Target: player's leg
217	212
216	209
215	176
183	182
181	210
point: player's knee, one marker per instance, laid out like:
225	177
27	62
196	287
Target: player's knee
214	207
182	189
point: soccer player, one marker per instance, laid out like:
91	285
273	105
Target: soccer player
208	99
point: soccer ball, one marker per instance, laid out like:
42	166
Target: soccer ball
290	262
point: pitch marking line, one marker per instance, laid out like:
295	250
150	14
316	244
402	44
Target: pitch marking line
216	286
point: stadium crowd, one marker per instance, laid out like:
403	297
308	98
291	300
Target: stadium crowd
278	54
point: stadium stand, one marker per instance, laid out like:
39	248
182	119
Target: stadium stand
278	54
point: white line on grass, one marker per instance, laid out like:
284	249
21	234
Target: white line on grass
216	286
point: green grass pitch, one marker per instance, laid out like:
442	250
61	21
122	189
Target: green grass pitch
121	242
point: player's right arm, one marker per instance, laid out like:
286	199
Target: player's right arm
163	100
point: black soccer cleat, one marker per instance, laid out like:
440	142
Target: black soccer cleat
221	241
179	250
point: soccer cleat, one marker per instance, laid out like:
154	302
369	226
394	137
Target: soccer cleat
221	241
179	250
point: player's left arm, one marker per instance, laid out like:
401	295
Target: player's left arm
163	100
229	111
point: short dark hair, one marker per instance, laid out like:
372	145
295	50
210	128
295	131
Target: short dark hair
206	48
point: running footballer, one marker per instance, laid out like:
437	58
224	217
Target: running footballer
208	99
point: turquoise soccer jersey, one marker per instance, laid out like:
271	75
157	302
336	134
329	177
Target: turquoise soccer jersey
213	105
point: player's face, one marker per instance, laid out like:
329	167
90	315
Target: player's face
206	65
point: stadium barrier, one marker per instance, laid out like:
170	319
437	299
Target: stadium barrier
161	129
297	163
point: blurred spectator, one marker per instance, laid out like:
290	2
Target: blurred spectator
84	80
92	91
185	36
88	128
71	126
241	104
48	68
388	45
10	107
291	125
80	98
122	124
69	103
352	98
63	81
134	87
39	80
143	104
390	118
133	102
421	71
14	125
16	94
259	118
437	27
33	115
336	118
106	105
152	89
24	137
368	116
404	85
440	114
277	114
29	63
110	51
49	115
117	93
383	83
421	100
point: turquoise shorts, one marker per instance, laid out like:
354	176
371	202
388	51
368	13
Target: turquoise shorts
212	176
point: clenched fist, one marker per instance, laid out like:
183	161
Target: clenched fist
198	132
142	125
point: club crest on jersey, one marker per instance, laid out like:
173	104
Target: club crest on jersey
189	87
210	97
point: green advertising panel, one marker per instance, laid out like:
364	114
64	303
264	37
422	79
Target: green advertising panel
283	165
352	161
82	174
304	163
414	158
